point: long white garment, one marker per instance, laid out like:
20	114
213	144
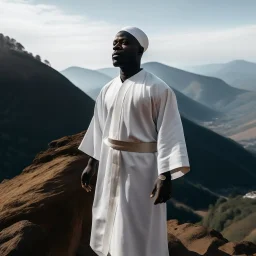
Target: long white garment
125	221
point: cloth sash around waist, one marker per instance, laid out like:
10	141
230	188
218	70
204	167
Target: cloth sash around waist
141	147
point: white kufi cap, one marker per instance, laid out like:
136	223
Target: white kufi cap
139	35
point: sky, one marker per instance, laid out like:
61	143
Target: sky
181	32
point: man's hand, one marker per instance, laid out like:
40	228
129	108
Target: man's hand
162	189
88	173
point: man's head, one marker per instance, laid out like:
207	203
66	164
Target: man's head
128	47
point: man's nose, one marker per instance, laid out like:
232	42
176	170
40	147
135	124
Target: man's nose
116	46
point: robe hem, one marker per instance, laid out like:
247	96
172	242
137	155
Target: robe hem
89	154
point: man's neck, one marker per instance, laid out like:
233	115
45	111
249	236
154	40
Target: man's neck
126	72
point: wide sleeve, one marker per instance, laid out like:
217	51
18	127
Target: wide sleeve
172	151
91	143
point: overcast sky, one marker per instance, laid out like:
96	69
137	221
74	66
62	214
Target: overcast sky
181	32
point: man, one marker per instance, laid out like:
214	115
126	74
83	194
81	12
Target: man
136	141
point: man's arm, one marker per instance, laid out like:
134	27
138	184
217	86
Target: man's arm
172	160
93	162
171	144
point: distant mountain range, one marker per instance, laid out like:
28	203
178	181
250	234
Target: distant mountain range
238	73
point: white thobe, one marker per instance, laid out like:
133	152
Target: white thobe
125	221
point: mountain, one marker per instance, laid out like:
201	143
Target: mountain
235	104
37	105
236	218
211	92
111	72
7	43
238	73
204	69
86	79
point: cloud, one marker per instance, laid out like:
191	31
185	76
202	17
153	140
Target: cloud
74	40
205	46
61	38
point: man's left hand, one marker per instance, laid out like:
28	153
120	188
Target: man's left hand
162	190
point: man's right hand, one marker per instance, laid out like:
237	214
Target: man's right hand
87	174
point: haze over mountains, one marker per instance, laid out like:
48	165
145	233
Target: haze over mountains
238	73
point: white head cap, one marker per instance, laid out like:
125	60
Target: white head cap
139	35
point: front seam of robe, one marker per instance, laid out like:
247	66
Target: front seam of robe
115	172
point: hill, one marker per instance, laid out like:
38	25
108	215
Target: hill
234	217
37	105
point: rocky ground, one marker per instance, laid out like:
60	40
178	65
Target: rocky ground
44	211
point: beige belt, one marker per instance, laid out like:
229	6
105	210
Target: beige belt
141	147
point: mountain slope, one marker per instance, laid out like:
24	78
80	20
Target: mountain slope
37	105
111	72
209	91
86	79
218	163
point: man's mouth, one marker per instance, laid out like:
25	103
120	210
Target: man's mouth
115	54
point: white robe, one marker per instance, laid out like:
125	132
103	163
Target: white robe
125	221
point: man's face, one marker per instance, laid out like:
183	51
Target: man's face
126	50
